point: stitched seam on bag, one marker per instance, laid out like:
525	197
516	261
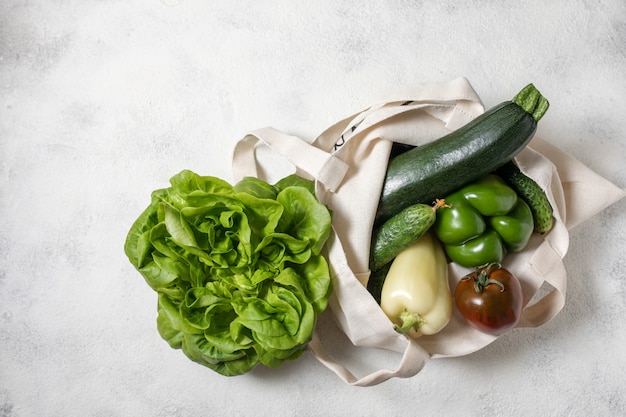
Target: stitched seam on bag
460	110
333	164
537	259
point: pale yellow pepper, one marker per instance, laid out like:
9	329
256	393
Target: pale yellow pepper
416	295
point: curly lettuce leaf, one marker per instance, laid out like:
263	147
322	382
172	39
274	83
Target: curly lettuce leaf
237	269
304	217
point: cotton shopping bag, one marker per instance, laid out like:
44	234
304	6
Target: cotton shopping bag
348	161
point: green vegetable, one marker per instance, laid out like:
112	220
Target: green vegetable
416	295
377	280
427	172
484	221
483	249
531	193
400	231
237	269
256	187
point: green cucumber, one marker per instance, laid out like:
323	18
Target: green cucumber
422	174
400	231
395	235
529	191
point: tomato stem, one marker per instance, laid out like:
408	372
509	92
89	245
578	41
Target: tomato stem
481	277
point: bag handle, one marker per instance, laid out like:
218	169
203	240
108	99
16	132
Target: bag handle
376	331
413	360
549	265
324	167
547	259
454	103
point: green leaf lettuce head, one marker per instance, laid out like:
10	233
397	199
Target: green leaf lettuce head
238	269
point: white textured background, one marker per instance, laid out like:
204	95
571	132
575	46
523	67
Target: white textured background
103	101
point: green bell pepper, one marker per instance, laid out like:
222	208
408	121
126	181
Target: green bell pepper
482	222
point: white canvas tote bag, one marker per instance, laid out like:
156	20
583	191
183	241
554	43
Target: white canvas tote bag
348	163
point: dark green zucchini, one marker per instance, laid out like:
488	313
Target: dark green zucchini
425	173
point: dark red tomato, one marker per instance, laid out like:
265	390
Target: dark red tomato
490	299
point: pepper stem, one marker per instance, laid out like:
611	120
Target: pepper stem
409	320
